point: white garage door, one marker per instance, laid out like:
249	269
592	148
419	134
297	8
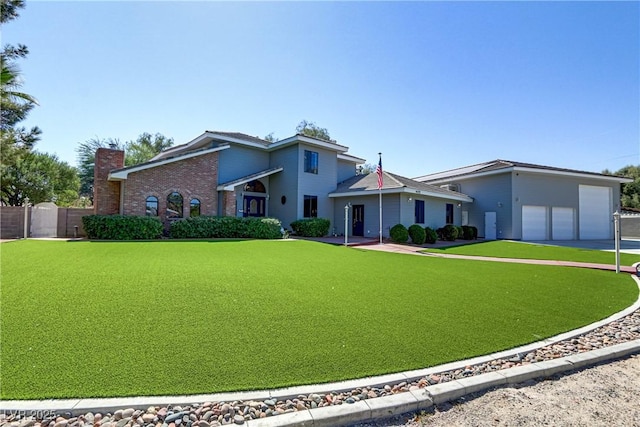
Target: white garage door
534	222
595	212
562	223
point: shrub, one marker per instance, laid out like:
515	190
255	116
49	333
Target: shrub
469	232
460	231
417	234
430	235
120	227
229	227
449	232
311	227
399	233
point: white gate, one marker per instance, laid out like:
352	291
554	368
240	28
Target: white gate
44	220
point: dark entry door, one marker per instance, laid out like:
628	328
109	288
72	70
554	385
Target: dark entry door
254	206
358	220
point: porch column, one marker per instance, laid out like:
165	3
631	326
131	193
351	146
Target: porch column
229	206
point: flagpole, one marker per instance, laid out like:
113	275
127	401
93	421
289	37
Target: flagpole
380	193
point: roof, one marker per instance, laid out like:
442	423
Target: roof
209	138
392	183
502	166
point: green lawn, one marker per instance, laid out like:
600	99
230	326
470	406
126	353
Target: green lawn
508	249
82	319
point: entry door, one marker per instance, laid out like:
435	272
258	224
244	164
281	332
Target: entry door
358	220
254	206
490	226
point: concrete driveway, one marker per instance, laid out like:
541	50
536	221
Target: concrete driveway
629	246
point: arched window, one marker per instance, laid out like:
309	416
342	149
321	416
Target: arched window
174	205
152	206
255	186
194	207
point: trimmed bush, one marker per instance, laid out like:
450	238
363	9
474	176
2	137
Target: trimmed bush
121	227
460	231
417	234
448	232
469	232
430	235
311	227
226	227
399	233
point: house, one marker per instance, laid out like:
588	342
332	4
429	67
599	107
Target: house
233	174
522	201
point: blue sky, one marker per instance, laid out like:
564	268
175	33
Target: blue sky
432	85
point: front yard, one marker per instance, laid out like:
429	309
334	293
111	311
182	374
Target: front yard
82	319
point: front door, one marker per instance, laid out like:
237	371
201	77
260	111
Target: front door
254	206
358	220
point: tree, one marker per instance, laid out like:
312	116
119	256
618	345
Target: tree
630	193
42	178
270	138
367	168
145	148
311	129
136	152
15	141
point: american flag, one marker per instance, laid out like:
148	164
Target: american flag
379	172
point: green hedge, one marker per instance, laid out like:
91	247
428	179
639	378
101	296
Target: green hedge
120	227
417	234
311	227
469	232
399	233
212	227
449	232
431	235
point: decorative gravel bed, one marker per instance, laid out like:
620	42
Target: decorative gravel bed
211	414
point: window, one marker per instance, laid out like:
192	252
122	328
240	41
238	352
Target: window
255	186
310	206
174	205
152	206
419	212
449	218
194	207
310	161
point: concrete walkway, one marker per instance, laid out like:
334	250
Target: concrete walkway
415	250
382	407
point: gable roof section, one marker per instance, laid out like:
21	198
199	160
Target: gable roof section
123	173
209	138
364	185
229	186
504	166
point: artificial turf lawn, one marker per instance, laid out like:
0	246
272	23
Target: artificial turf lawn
524	250
89	319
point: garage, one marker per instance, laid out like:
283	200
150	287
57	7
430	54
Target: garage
562	223
534	222
595	212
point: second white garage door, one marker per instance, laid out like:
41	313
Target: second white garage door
562	223
534	222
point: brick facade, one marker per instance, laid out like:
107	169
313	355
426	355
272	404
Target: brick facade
193	178
229	207
106	194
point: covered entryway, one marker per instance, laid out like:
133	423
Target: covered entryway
357	220
595	212
562	223
534	222
44	220
254	206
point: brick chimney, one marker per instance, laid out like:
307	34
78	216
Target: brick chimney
106	194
